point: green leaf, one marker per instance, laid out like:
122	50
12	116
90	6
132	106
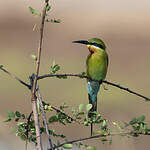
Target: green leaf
63	107
23	137
33	11
53	119
1	66
73	110
48	7
10	114
62	77
147	130
34	57
88	107
83	73
141	118
133	121
86	123
53	20
46	107
18	114
117	124
55	67
50	108
67	146
81	107
23	116
7	120
17	119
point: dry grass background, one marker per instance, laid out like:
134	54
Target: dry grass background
123	25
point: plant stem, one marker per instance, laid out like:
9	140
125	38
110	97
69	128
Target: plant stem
33	98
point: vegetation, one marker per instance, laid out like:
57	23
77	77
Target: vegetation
30	127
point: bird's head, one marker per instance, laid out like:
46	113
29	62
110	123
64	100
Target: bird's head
94	44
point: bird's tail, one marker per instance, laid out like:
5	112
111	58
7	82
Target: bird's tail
93	88
94	105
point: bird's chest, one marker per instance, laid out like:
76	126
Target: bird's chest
97	66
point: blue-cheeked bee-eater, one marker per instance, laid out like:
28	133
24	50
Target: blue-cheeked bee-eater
97	64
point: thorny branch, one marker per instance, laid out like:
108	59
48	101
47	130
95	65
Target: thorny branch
45	119
79	76
27	128
15	77
99	136
33	89
104	81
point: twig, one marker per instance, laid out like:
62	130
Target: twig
45	120
33	97
126	89
29	86
58	110
99	136
27	128
15	77
61	75
83	76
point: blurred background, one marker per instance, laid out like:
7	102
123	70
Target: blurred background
123	25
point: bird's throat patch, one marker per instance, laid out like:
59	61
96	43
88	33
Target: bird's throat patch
93	49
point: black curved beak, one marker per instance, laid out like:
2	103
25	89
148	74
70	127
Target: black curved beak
81	42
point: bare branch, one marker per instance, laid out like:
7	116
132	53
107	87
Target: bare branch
106	82
33	97
45	120
27	128
126	89
15	77
99	136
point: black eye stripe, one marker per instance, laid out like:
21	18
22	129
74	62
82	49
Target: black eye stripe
98	45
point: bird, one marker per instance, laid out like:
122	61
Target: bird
96	70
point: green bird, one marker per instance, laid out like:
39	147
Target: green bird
96	64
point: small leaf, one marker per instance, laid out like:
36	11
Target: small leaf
81	107
55	67
46	107
33	11
23	137
17	113
50	108
83	73
53	119
117	124
86	123
7	120
133	121
34	57
63	107
73	110
67	146
53	20
10	114
17	119
1	66
23	116
88	107
62	77
141	118
48	7
147	130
